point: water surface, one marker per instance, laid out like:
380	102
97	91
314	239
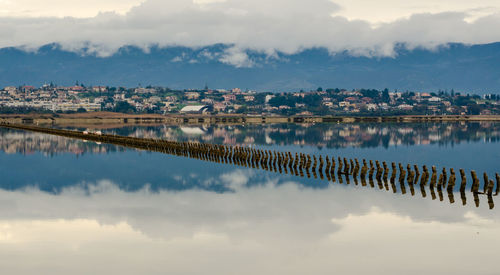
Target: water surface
69	206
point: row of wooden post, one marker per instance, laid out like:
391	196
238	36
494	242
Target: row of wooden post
301	164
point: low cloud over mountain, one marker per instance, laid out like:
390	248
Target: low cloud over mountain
288	26
454	66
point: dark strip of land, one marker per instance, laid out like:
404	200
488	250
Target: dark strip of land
178	119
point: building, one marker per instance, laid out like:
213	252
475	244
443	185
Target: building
195	109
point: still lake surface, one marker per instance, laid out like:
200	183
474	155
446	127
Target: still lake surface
74	207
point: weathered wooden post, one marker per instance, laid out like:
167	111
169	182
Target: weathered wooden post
451	198
408	168
386	171
346	167
451	182
498	183
378	176
475	182
422	190
491	204
411	176
372	169
356	168
351	166
433	193
486	182
401	185
489	190
425	176
433	177
463	182
339	170
445	177
476	198
463	197
417	173
401	174
327	168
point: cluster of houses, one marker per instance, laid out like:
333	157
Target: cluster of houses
79	98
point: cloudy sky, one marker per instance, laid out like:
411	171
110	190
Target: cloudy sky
358	26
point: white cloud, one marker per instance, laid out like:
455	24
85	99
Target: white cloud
64	8
266	26
236	57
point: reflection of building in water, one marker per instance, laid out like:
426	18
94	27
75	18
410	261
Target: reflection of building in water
12	142
325	135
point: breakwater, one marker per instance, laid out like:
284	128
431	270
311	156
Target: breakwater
409	178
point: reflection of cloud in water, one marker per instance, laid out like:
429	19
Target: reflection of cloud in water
264	229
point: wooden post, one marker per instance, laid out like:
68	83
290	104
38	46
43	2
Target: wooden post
475	182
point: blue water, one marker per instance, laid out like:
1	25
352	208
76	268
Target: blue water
74	207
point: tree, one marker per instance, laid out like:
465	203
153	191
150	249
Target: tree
124	107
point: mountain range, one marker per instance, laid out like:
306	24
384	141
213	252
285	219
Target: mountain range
466	68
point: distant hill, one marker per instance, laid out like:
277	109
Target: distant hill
463	68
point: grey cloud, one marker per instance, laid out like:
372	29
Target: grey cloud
264	26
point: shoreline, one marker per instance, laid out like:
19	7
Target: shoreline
96	118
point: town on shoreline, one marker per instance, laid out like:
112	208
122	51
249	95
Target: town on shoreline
58	100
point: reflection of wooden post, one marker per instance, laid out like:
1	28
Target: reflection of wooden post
445	177
440	193
433	193
364	169
486	182
356	169
346	167
451	182
379	170
498	183
408	169
489	190
463	178
491	204
386	171
440	181
393	175
433	177
417	173
327	168
372	169
332	169
425	176
352	166
476	198
411	176
339	170
422	190
463	197
314	166
402	186
475	182
451	198
401	175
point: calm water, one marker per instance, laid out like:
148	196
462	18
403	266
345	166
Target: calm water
74	207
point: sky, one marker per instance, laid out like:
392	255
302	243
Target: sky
360	27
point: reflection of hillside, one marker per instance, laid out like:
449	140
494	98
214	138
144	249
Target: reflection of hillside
329	135
320	135
27	143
